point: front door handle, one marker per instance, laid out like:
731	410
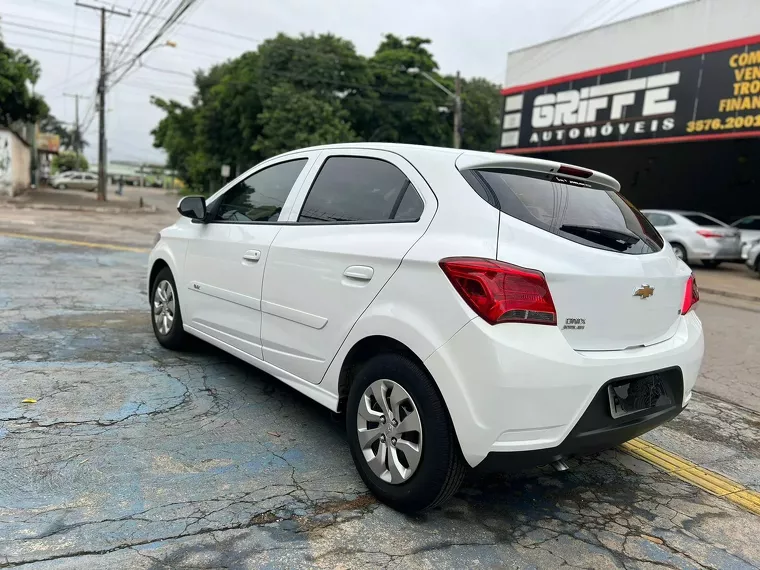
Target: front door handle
252	255
359	272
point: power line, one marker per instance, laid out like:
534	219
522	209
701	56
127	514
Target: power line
131	35
296	49
71	49
181	9
229	34
55	51
562	33
553	49
49	31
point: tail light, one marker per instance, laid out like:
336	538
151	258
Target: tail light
709	234
501	293
574	171
691	295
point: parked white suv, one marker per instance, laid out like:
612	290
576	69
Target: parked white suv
461	308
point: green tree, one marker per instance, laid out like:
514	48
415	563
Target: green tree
17	102
68	160
481	106
298	91
294	118
175	133
403	107
50	124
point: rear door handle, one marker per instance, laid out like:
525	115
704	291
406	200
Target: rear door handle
252	255
359	272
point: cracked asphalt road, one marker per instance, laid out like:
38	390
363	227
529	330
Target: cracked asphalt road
138	457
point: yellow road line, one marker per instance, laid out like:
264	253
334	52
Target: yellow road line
75	242
700	477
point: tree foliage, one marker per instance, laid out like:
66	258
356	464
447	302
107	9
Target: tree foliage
18	72
50	124
68	160
315	89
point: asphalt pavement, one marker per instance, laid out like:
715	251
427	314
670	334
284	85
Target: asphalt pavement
137	457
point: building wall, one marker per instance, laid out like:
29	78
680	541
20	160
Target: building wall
15	164
684	26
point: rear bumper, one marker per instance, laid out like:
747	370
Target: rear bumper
596	430
714	250
522	388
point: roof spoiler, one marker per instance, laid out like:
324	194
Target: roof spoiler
475	160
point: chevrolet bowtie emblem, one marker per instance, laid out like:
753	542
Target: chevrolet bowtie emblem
645	291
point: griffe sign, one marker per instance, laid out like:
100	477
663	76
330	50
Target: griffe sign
707	92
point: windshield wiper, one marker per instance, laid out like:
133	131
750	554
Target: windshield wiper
615	239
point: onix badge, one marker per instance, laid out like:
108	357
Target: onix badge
645	291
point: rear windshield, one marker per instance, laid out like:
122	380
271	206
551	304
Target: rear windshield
583	212
701	220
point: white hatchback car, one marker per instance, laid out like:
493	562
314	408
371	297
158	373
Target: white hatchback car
461	308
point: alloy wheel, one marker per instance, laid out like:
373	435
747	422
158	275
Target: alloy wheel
164	307
390	431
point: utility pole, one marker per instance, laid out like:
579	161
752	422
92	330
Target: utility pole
77	128
102	94
458	112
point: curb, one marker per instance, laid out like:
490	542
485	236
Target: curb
98	209
730	294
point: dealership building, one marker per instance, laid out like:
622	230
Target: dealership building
668	103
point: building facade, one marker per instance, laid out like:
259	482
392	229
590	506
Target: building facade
15	163
668	103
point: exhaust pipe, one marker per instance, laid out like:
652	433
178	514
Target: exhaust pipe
559	465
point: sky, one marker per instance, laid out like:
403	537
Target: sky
472	36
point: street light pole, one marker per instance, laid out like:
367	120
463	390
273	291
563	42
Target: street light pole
455	95
458	112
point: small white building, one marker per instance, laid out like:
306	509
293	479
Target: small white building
15	163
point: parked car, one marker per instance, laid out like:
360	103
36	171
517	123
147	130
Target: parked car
77	181
751	255
460	308
695	236
61	176
749	227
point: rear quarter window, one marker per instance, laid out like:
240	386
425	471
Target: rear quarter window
581	211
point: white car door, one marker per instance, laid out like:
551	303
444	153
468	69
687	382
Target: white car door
224	265
356	218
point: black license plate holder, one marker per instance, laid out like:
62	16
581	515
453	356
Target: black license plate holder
638	394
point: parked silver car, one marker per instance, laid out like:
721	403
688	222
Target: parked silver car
752	256
749	227
696	236
78	181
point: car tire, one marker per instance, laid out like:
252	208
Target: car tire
61	187
757	266
440	467
167	324
680	252
710	263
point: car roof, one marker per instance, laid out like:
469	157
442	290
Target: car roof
679	212
464	159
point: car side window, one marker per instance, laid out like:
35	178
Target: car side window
660	220
360	189
260	197
748	224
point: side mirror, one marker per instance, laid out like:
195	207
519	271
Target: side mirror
193	207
